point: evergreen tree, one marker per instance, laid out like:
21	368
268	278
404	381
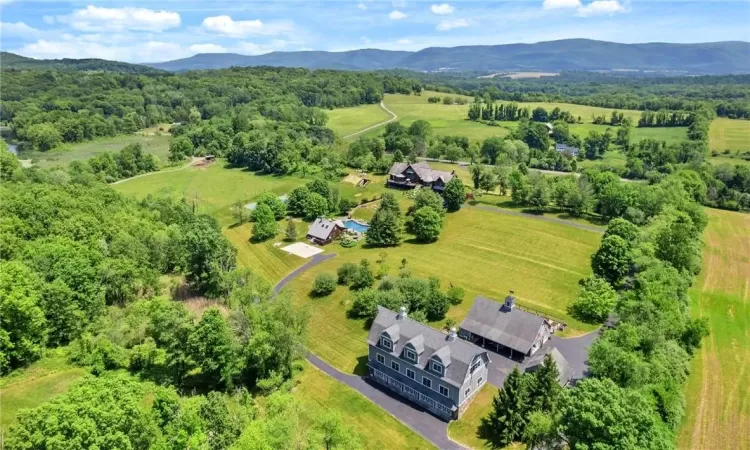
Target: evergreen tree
506	421
291	231
544	388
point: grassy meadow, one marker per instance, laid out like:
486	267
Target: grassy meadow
729	134
346	121
155	144
718	398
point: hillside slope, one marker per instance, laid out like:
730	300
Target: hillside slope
13	61
569	54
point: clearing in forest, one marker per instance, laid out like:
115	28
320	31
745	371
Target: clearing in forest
718	398
346	121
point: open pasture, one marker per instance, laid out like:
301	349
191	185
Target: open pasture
729	134
484	252
346	121
157	145
718	400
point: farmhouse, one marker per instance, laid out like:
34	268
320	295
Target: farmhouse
323	230
504	326
409	176
562	148
565	369
433	369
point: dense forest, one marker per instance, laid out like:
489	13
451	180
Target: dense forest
12	61
48	108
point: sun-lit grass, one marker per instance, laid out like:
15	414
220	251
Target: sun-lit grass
718	399
484	252
377	428
466	430
156	145
346	121
729	134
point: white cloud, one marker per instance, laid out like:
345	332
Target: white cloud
80	47
227	26
207	48
250	48
49	20
96	19
18	29
561	4
6	2
362	6
404	42
443	9
446	25
602	7
397	15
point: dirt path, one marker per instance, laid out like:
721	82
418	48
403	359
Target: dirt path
394	116
192	162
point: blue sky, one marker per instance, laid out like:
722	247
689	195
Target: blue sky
143	31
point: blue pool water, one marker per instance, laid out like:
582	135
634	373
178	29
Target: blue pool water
356	226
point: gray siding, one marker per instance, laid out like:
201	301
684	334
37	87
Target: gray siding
453	398
473	382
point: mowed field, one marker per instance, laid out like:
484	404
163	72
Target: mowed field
346	121
729	134
718	397
156	145
484	252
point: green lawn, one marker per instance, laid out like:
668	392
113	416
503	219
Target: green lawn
34	385
729	134
484	252
466	429
345	121
378	429
612	158
157	145
718	398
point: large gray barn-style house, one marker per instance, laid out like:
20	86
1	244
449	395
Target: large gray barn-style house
504	327
433	369
409	176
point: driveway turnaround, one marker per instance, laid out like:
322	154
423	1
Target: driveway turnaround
420	421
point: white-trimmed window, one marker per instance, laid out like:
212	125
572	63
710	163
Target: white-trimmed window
436	367
476	364
381	359
467	391
427	382
443	390
410	373
411	355
395	366
480	381
386	343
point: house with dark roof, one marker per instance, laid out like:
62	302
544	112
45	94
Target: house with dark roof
563	367
503	327
411	175
432	369
323	230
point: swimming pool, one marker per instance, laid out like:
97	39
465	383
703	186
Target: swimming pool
359	227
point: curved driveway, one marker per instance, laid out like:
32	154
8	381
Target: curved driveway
382	105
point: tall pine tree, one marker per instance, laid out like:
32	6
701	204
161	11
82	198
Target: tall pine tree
507	420
544	389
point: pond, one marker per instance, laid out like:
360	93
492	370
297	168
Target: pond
356	225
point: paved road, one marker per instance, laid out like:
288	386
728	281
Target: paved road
575	351
316	259
421	422
535	217
382	105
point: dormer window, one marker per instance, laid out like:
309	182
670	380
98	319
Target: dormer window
436	367
386	343
411	355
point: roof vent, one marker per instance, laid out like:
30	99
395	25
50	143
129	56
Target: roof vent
402	313
452	334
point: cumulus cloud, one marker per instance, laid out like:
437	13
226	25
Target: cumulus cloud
18	29
362	6
207	48
442	9
227	26
96	19
68	46
602	7
397	15
561	4
446	25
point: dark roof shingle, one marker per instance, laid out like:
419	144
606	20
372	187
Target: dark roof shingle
513	328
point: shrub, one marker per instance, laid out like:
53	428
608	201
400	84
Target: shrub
456	295
364	278
323	285
347	273
596	300
427	224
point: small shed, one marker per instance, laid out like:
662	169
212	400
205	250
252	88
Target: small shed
566	371
210	157
323	230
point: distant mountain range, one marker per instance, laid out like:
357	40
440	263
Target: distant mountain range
12	61
568	54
